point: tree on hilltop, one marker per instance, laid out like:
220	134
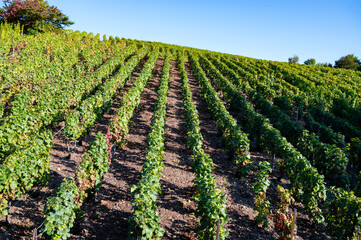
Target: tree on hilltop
349	62
33	15
310	61
293	59
325	64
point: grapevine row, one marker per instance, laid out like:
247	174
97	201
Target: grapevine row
325	133
328	159
236	142
304	178
307	184
79	120
25	168
325	94
61	210
144	221
50	57
211	209
33	159
51	103
119	126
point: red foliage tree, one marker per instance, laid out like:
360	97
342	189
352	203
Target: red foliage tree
33	15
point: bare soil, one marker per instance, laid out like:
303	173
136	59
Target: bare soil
107	216
176	205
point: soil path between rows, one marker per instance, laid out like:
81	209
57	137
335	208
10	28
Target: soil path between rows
107	216
239	202
176	204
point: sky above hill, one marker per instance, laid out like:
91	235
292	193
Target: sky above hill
265	29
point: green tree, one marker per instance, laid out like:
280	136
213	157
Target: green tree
310	61
294	59
33	15
325	64
349	62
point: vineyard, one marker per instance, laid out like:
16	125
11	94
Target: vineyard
123	139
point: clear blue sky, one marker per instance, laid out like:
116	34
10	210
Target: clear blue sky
266	29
